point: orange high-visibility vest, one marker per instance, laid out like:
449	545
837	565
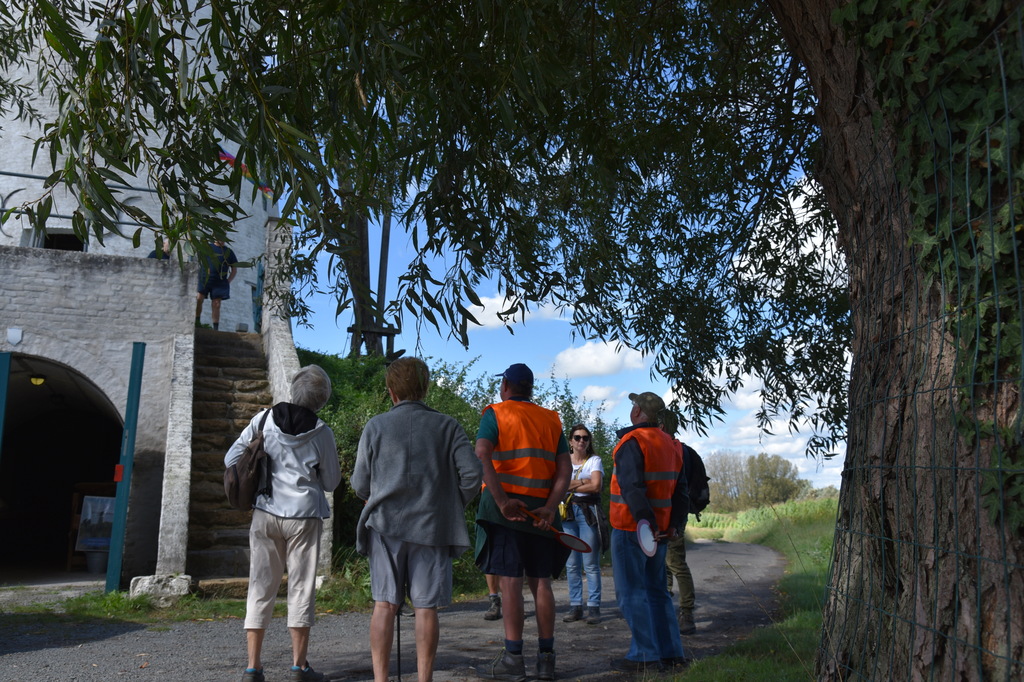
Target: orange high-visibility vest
662	463
524	459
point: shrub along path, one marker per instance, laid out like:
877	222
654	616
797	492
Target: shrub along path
734	584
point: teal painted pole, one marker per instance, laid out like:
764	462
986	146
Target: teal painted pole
123	471
5	377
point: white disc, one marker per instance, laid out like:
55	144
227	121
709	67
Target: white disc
645	536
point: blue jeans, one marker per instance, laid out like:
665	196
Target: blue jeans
591	563
644	600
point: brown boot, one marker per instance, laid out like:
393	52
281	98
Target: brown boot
575	614
686	624
494	610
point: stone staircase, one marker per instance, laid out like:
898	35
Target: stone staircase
230	387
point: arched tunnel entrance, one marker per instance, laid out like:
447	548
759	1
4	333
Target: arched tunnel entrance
61	440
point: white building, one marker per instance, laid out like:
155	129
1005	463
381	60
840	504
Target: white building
71	313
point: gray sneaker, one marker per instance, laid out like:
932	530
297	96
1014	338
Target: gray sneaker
505	666
546	665
253	675
494	612
306	674
575	614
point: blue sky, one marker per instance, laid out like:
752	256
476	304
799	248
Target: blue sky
597	371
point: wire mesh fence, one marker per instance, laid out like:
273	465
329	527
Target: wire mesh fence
926	580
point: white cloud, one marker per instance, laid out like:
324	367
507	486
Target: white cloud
598	394
596	358
749	396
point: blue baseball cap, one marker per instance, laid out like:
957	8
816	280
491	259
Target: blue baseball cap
518	374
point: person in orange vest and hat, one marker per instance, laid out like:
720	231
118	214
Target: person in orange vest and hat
648	486
526	465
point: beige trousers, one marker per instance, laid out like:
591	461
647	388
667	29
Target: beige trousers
277	545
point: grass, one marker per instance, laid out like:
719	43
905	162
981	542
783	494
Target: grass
119	606
784	652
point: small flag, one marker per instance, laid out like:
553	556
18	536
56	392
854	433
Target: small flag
267	192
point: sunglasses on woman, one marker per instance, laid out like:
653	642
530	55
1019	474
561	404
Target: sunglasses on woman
578	437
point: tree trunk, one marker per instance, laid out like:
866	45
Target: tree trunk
350	243
923	584
357	264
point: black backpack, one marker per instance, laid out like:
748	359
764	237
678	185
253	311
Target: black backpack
250	475
697	480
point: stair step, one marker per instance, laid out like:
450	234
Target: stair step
222	538
214	440
203	372
228	361
229	385
211	424
209	409
232	588
207	563
209	337
229	396
209	516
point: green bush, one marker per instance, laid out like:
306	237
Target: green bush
348	587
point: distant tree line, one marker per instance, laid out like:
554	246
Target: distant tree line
740	482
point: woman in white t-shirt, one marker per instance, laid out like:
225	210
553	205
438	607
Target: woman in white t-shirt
583	519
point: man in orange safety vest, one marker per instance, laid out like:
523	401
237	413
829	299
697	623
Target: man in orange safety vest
526	465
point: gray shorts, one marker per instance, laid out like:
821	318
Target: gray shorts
396	565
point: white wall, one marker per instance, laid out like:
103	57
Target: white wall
86	311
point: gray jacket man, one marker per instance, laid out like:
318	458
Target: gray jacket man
417	471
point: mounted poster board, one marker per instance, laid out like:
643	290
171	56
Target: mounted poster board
97	522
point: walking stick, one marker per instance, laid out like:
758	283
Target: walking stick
398	638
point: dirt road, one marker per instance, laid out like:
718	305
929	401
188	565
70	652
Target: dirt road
734	585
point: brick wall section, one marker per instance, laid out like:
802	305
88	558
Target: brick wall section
86	311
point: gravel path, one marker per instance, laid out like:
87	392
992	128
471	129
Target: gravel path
734	594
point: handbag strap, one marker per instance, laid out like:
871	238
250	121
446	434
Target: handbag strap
263	421
264	482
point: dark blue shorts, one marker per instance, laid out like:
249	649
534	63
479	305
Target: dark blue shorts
215	288
512	553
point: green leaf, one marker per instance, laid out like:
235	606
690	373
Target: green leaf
183	74
430	318
466	314
44	208
472	296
